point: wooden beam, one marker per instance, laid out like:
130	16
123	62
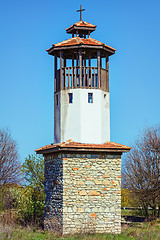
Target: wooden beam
108	50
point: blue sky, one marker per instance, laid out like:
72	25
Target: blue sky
28	28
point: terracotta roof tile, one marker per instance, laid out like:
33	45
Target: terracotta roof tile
82	24
76	145
78	40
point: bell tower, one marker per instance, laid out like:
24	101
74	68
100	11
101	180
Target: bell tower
82	168
81	90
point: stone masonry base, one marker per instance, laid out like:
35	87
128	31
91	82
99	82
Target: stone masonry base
83	192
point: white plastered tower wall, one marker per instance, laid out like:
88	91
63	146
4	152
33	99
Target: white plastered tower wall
81	68
82	121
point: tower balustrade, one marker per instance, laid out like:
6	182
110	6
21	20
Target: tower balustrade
84	77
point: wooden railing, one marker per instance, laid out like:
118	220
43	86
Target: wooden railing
71	77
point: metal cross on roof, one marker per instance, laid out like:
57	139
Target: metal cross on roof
80	12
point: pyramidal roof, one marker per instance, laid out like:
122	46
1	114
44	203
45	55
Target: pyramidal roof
81	25
79	41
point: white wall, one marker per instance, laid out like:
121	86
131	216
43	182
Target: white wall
82	121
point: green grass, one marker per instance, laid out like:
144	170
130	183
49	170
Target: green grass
137	213
141	231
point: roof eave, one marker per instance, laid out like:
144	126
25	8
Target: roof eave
58	48
75	149
81	28
87	25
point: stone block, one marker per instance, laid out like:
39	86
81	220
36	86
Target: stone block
93	215
98	182
106	182
87	166
82	193
80	183
105	176
94	193
80	210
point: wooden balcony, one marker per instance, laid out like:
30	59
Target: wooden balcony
87	77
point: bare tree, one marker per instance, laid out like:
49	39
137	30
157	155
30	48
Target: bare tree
141	172
9	159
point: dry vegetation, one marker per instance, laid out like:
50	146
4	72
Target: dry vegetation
141	231
141	172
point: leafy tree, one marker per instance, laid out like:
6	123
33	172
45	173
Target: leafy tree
9	159
127	198
33	170
141	173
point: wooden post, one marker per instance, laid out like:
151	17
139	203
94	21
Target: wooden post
55	73
75	69
65	78
84	60
69	76
87	85
107	74
72	59
77	60
76	33
77	75
89	70
99	67
72	82
84	71
61	70
64	62
94	82
89	58
65	73
80	67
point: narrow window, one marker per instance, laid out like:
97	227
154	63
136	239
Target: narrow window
57	100
90	97
70	97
